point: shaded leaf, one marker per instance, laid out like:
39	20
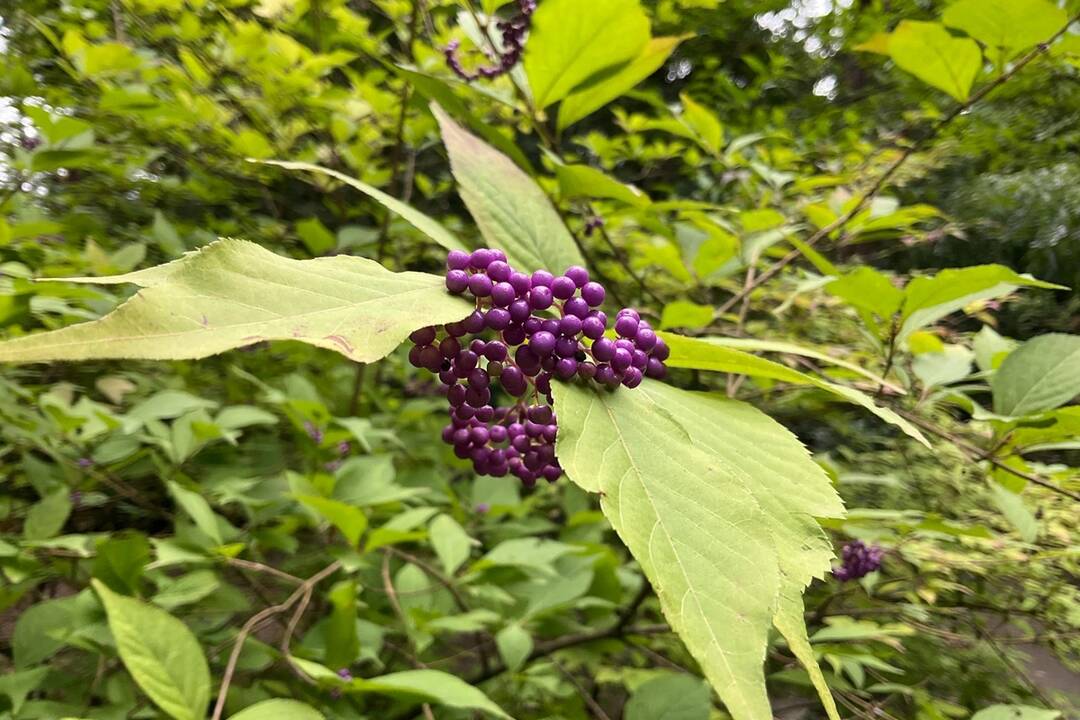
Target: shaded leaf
583	181
1042	374
670	697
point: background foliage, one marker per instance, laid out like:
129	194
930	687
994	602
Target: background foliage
153	515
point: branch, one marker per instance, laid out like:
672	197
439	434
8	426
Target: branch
976	454
301	593
874	189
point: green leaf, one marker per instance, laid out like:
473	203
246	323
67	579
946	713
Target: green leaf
930	53
928	299
46	518
216	299
577	181
1018	514
451	543
349	519
951	364
686	314
316	237
990	348
278	710
515	645
571	42
1007	26
342	643
1015	712
670	697
199	510
36	637
1042	374
431	686
704	506
595	95
868	289
427	225
699	354
120	560
512	212
161	654
15	686
704	123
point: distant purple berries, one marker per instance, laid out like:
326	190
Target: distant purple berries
512	33
859	560
526	330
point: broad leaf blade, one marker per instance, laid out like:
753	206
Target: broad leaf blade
218	299
162	655
278	710
431	686
1042	374
691	523
571	41
930	53
425	224
1006	25
589	98
512	212
699	354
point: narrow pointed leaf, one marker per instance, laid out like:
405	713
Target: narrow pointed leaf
431	686
234	293
425	224
512	212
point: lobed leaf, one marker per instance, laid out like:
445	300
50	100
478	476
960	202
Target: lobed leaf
234	293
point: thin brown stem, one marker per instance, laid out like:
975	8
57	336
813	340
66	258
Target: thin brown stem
896	164
301	593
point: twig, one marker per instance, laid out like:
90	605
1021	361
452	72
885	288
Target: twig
627	614
589	700
976	454
266	569
874	189
391	594
304	591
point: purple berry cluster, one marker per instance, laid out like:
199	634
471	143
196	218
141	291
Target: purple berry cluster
526	331
859	560
512	32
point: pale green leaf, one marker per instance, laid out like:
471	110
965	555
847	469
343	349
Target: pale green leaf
990	348
15	686
349	519
1042	374
1015	712
217	299
670	697
316	237
278	710
571	42
704	491
431	686
425	224
951	364
512	212
576	181
704	123
930	53
1006	25
342	642
162	655
700	354
928	299
1011	504
198	509
686	314
450	542
47	517
867	289
515	645
595	95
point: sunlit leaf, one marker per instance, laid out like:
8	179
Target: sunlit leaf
930	53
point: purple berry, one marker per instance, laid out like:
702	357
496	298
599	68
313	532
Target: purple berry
521	282
457	281
563	287
431	358
514	335
565	368
541	297
449	347
592	328
502	293
480	285
632	377
625	326
645	338
603	349
606	375
499	271
474	323
566	347
570	325
498	319
655	369
621	359
542	343
542	278
586	370
480	259
576	307
495	351
520	311
414	356
423	336
578	274
457	260
513	381
661	351
593	293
